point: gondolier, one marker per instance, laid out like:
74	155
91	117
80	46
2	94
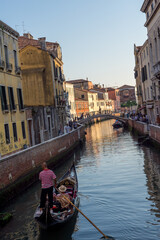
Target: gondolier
47	177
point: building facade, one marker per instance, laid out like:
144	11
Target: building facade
71	101
81	99
82	84
145	83
13	125
152	10
43	87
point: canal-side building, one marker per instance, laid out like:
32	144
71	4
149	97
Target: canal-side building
104	104
81	83
43	87
13	125
93	102
152	10
145	83
71	100
113	94
81	100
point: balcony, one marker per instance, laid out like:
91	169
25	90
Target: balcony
17	70
156	70
9	67
61	103
2	64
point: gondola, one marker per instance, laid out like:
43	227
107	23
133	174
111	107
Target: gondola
117	124
59	217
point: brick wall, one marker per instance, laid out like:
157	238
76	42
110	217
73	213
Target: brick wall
22	163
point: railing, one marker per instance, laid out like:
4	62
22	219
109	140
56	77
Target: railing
2	64
9	67
156	70
17	70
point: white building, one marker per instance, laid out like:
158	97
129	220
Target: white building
71	100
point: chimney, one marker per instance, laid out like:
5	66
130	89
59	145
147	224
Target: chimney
27	35
42	42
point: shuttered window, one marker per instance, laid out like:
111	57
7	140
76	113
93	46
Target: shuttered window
3	98
20	98
14	132
11	98
23	130
6	128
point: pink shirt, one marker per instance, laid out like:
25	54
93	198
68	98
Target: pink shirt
46	176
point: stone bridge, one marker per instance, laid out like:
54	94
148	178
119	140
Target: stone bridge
102	117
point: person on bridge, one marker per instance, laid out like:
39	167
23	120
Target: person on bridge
46	177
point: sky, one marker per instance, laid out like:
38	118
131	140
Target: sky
97	37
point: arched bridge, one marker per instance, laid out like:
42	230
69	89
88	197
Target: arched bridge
103	117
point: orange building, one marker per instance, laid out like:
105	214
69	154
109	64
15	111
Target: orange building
82	107
81	98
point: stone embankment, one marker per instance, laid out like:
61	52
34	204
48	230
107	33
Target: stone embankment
19	170
152	131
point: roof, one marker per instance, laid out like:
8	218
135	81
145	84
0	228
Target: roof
25	41
126	87
81	99
8	29
77	81
110	89
81	90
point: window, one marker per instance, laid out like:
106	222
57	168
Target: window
6	128
15	58
3	98
82	96
23	130
149	70
20	99
151	54
11	98
55	71
60	72
156	50
14	132
145	72
148	92
152	6
6	55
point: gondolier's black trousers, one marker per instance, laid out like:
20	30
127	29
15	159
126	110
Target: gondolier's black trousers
44	193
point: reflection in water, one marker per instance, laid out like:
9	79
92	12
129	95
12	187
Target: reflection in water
152	171
119	190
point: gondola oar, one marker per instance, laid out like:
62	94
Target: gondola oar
104	236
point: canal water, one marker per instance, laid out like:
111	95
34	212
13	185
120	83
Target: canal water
119	190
